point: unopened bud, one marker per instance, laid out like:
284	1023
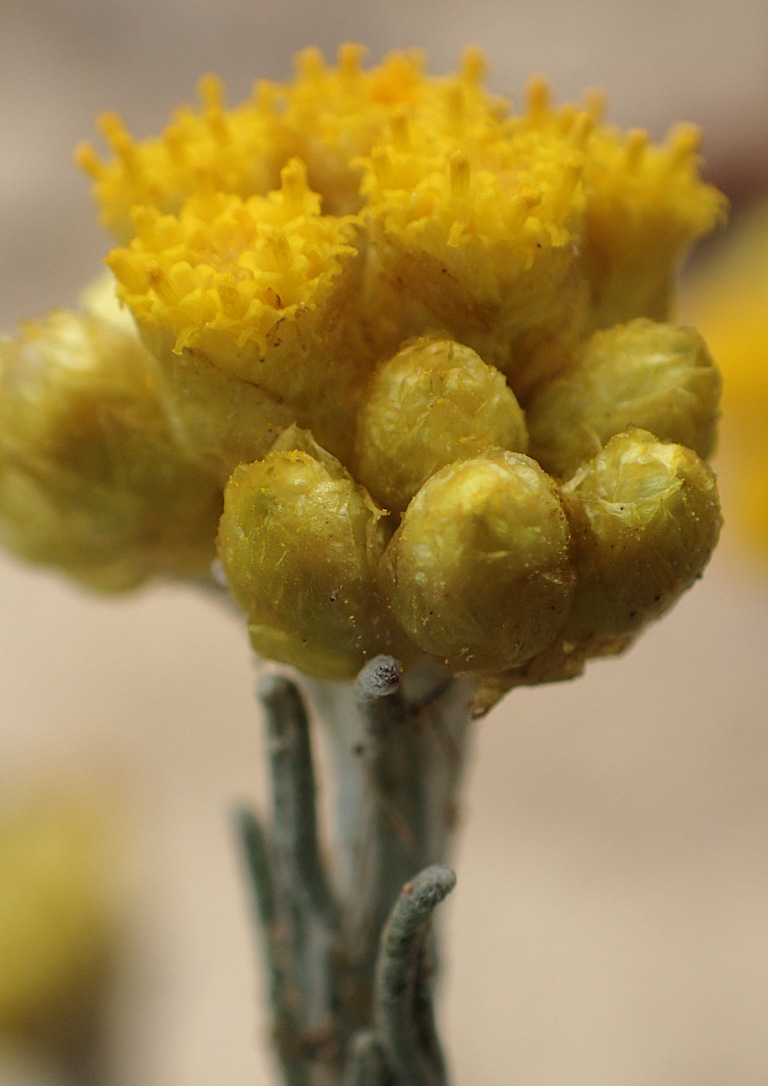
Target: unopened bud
645	518
478	574
642	374
300	542
434	403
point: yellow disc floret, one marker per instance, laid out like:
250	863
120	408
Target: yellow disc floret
338	114
646	206
255	294
480	229
211	149
230	270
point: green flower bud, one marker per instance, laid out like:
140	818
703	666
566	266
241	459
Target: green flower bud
435	402
478	574
642	374
91	480
300	542
645	518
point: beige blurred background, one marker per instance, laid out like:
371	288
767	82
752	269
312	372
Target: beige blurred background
610	924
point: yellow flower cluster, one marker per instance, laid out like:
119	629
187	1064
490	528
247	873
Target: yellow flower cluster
400	328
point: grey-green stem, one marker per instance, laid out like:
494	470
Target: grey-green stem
345	940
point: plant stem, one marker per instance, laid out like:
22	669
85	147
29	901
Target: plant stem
352	1005
403	1003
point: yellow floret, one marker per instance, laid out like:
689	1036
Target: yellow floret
337	114
646	206
216	150
481	231
234	296
228	270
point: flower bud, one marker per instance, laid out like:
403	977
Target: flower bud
300	542
91	479
642	374
645	518
435	402
478	574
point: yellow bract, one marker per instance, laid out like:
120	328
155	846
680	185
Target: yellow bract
645	374
645	518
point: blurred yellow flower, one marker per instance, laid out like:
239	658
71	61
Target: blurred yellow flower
727	298
57	914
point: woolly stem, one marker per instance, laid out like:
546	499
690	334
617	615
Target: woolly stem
352	1007
403	997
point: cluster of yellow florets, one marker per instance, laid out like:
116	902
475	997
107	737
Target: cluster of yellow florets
407	326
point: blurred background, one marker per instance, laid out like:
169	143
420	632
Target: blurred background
609	926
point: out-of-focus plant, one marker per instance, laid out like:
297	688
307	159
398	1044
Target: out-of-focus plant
58	921
398	362
727	297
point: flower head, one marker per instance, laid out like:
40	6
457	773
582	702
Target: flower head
374	278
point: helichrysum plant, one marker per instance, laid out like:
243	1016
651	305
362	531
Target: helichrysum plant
397	364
